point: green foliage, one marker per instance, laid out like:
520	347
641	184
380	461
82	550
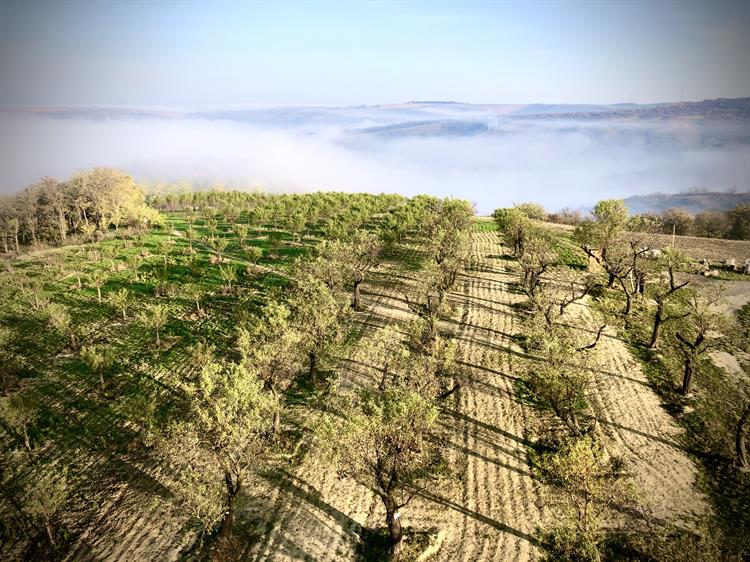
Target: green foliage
591	482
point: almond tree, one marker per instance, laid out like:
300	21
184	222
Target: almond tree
154	317
364	254
19	411
99	359
219	442
665	290
271	348
387	441
120	299
45	497
317	317
592	483
596	235
228	274
60	320
537	257
701	330
559	373
98	278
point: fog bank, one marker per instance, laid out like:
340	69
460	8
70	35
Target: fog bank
556	164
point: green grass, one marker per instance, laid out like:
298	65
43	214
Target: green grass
484	225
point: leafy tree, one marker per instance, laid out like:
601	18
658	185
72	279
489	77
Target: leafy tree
387	442
271	348
317	317
365	249
677	221
700	330
220	245
514	224
19	411
596	235
222	438
242	231
154	317
739	217
228	274
537	258
428	300
532	210
98	278
45	497
592	482
559	376
665	290
121	300
60	320
194	292
99	359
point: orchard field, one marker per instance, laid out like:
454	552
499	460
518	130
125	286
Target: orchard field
329	376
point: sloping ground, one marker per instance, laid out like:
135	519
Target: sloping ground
493	509
641	432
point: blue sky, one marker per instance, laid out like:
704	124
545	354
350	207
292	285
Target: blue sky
220	54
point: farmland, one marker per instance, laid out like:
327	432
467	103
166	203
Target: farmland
205	386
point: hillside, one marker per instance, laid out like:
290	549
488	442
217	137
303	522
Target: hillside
695	202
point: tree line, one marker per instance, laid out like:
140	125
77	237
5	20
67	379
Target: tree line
52	211
732	224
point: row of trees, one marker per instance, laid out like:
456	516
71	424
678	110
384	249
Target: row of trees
653	285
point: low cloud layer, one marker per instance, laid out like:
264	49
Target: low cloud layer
557	164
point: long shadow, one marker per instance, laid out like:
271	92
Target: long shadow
669	442
479	517
307	493
493	371
468	419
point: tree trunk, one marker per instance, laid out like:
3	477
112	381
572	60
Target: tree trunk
225	531
356	304
313	367
26	440
611	281
99	294
572	423
658	319
158	339
687	380
101	379
742	461
50	534
393	520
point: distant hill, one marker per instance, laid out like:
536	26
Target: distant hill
695	202
711	110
